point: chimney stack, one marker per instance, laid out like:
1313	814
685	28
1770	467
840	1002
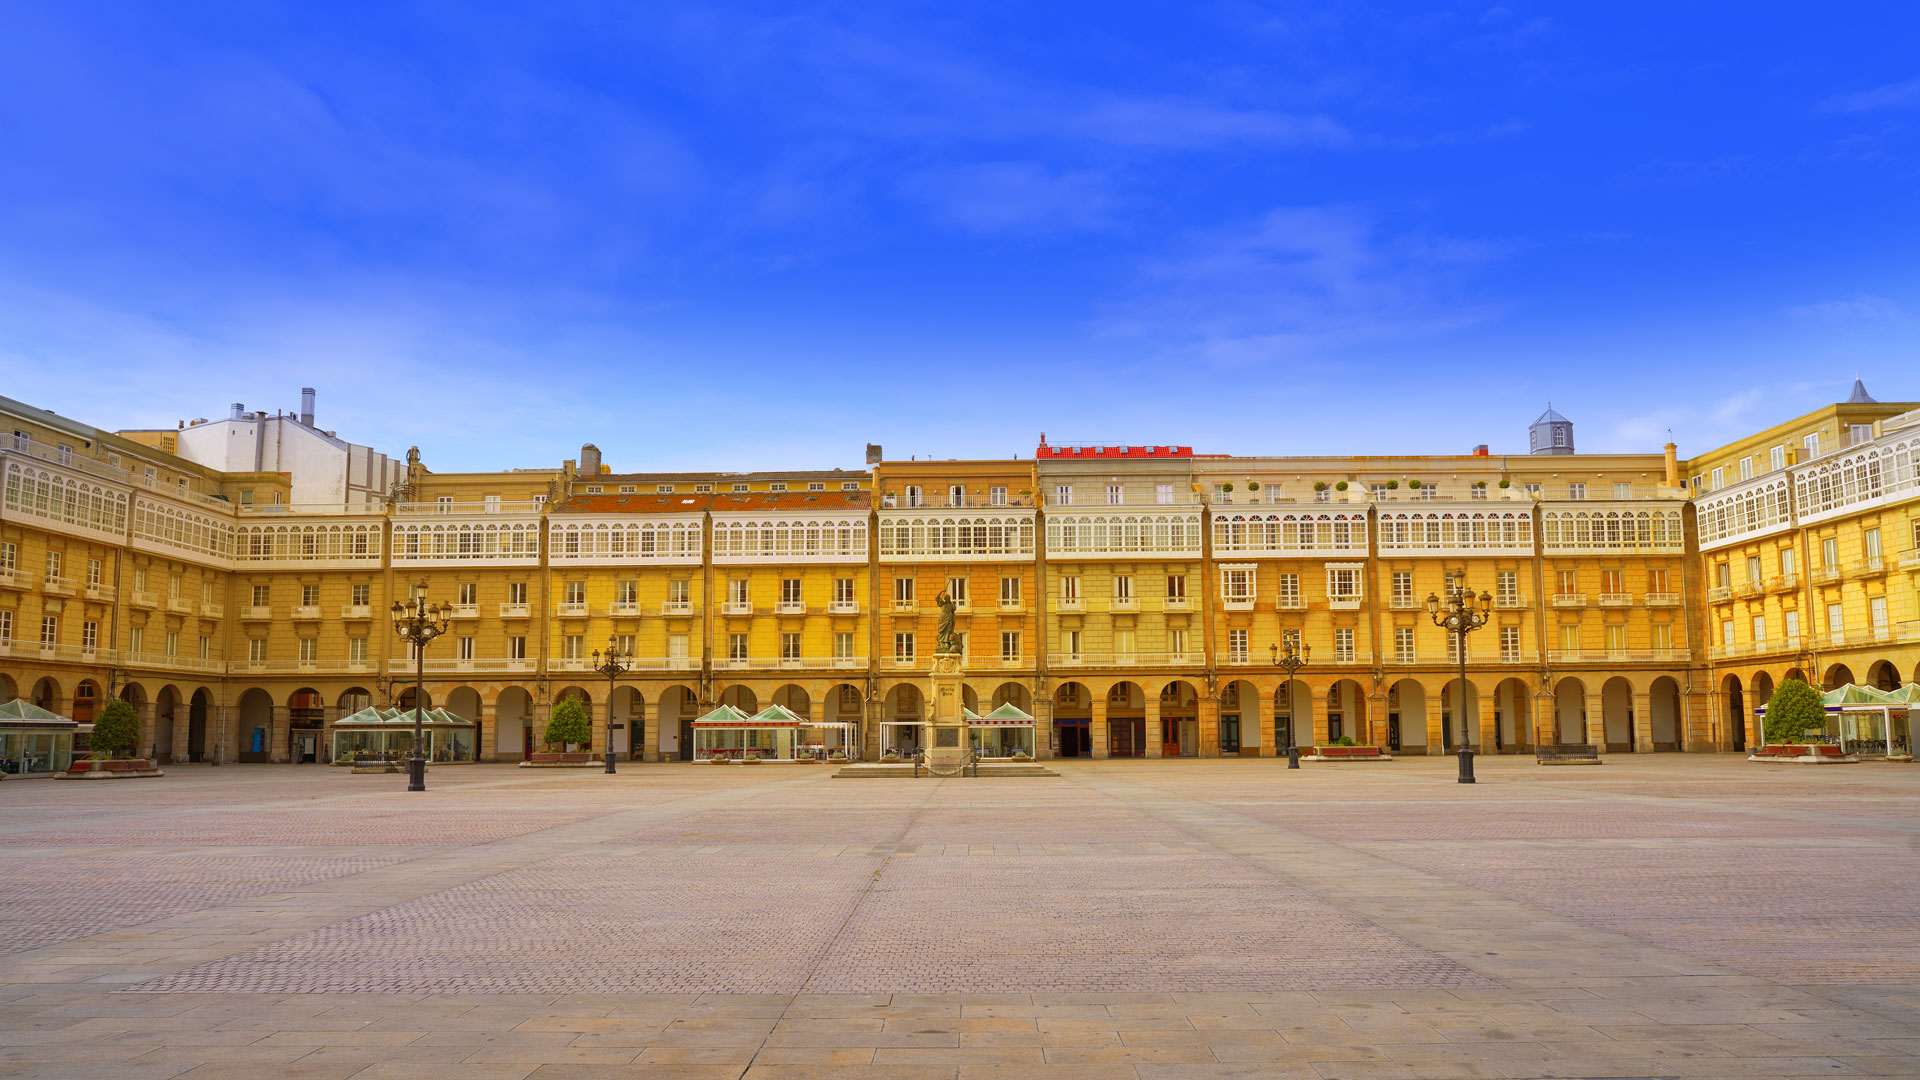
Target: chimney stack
590	460
239	409
306	405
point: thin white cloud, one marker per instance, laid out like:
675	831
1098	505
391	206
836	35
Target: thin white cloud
1302	283
1852	309
1015	196
1896	95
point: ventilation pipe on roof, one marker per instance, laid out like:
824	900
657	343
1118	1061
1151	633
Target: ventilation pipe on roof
306	405
239	410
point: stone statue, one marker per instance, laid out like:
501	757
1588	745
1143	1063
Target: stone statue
944	641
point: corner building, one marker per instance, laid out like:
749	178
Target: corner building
1132	598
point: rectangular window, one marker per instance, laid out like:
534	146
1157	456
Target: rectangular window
1877	611
774	487
843	590
1616	638
1176	586
310	649
1786	561
903	646
842	645
1343	583
626	592
1506	587
1723	575
850	485
1073	644
1726	632
257	650
1123	587
8	552
1343	645
903	590
1123	642
1114	496
53	564
1010	646
957	589
1793	626
575	592
1830	553
1236	584
1163	494
1009	590
1759	628
736	646
1570	637
1510	644
1753	569
1289	589
676	646
1871	538
93	571
744	487
1576	491
517	647
89	635
679	591
1836	621
1403	588
790	590
1777	458
1746	468
469	592
1623	489
1070	588
789	646
573	647
663	489
136	637
1656	581
362	595
1237	646
737	592
1859	433
357	650
309	596
623	644
1063	495
1403	645
516	592
1662	636
997	495
1177	644
1532	490
1812	445
1569	582
1453	648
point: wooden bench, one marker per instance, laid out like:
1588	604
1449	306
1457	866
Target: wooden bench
1343	753
1567	754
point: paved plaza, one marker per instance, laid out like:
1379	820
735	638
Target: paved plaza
1675	916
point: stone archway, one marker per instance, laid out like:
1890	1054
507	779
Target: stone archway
627	717
1570	712
1179	719
46	695
1407	717
513	733
1450	715
1616	712
1753	730
1737	713
1072	720
197	710
1513	724
1663	701
166	705
256	726
1239	719
1292	715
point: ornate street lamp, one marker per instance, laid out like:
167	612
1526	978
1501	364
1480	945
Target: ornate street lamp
418	622
1461	614
613	665
1296	654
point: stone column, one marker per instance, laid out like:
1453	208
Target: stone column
1437	721
1208	721
1097	726
1546	719
1043	729
870	738
182	722
278	746
1153	725
148	741
488	743
1596	726
1642	722
600	721
1321	726
538	722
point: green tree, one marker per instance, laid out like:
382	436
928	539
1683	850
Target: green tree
568	724
117	729
1794	709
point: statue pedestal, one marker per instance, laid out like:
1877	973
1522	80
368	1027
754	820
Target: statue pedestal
946	725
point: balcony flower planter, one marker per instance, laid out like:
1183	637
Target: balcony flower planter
111	769
573	760
1345	753
1802	754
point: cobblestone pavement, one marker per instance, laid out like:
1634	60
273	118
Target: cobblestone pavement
1674	915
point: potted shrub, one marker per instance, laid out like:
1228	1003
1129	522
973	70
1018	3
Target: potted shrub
1794	709
1253	485
1506	483
716	759
116	736
1227	487
750	758
1340	486
568	724
1319	485
1393	485
1414	484
1020	754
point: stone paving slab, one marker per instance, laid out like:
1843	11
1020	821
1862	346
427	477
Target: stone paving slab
1132	919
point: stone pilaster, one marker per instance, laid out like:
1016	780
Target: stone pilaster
1596	725
278	736
1643	723
1097	727
1153	725
1208	722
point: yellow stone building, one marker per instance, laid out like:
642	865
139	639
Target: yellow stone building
1131	598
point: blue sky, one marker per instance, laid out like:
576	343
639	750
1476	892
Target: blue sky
754	236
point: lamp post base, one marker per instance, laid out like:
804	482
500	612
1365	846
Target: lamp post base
609	759
1466	765
1293	756
416	773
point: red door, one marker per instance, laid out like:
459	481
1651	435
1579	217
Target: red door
1169	738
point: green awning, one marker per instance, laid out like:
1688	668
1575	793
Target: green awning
725	716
